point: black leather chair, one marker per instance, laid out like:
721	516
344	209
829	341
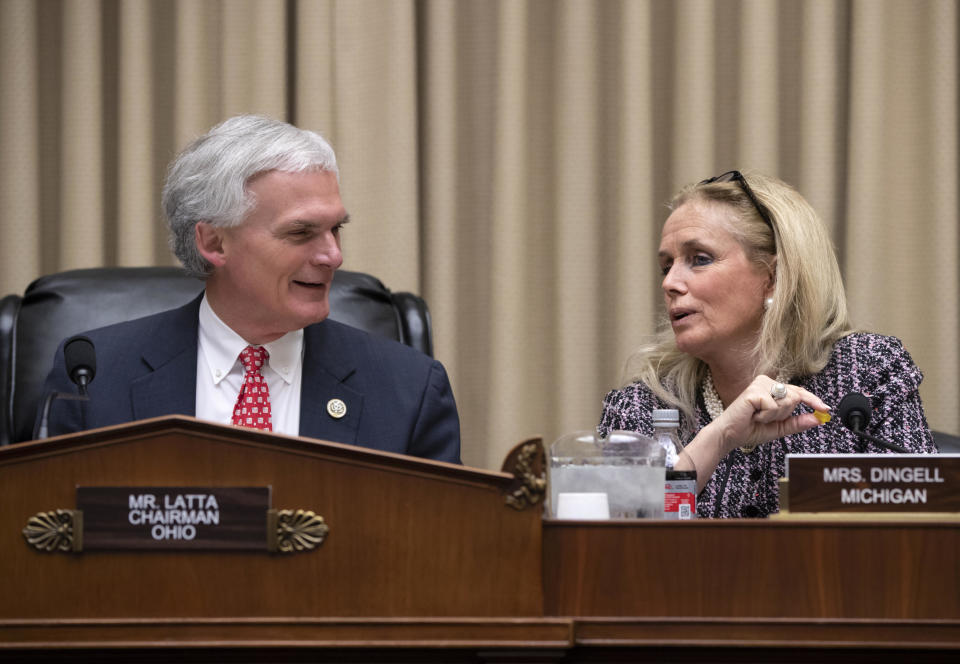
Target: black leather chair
57	306
946	443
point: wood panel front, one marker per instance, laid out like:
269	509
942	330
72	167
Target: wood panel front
408	538
301	633
849	570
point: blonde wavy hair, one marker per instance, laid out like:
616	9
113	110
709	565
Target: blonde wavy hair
809	310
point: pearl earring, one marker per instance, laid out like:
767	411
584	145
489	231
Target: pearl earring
767	303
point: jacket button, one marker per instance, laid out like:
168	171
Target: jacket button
751	511
756	475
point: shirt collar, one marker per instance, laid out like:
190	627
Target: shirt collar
222	347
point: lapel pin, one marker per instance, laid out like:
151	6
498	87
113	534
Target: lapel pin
336	408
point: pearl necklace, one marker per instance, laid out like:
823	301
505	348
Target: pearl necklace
715	407
710	397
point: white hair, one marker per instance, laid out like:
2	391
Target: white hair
208	180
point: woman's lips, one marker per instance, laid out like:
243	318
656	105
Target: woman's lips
682	320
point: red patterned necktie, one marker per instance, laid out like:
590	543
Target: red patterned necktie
253	404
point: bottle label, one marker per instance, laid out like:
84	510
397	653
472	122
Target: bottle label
680	499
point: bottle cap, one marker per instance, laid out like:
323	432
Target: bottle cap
666	416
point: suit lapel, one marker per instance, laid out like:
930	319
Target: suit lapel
325	376
170	384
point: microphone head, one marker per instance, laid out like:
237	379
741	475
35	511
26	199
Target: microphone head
81	359
854	409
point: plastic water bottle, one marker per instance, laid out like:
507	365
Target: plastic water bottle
666	422
680	486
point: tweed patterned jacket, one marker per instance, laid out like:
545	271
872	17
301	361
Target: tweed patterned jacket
745	485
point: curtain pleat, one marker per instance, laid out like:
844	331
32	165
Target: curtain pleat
254	57
20	181
315	42
761	86
902	208
693	108
137	190
821	128
578	221
510	328
441	105
82	138
374	94
509	159
629	291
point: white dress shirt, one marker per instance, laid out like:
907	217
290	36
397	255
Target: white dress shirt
220	373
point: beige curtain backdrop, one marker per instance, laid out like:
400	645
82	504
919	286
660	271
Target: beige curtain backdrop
509	160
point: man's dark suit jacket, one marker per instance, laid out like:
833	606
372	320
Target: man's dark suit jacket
398	399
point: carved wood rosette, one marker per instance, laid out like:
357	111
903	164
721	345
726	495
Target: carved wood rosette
55	530
527	463
295	531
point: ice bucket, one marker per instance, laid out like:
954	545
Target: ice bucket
626	467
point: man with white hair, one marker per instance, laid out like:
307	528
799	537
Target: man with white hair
254	209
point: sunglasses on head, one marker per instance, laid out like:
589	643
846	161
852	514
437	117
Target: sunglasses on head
737	176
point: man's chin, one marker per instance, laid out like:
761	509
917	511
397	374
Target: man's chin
313	315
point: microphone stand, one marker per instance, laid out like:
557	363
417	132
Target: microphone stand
855	421
893	447
45	413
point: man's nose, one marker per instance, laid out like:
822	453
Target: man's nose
327	252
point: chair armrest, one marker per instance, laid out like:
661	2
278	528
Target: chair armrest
414	321
9	311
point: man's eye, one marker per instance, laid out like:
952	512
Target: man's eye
299	234
701	259
665	268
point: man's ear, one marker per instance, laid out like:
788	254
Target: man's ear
209	241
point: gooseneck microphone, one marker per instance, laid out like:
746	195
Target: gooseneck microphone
81	362
854	412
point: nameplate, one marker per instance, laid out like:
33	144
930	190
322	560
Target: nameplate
165	518
873	483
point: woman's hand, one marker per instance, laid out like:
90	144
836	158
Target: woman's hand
761	414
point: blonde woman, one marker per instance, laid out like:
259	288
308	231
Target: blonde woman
759	339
